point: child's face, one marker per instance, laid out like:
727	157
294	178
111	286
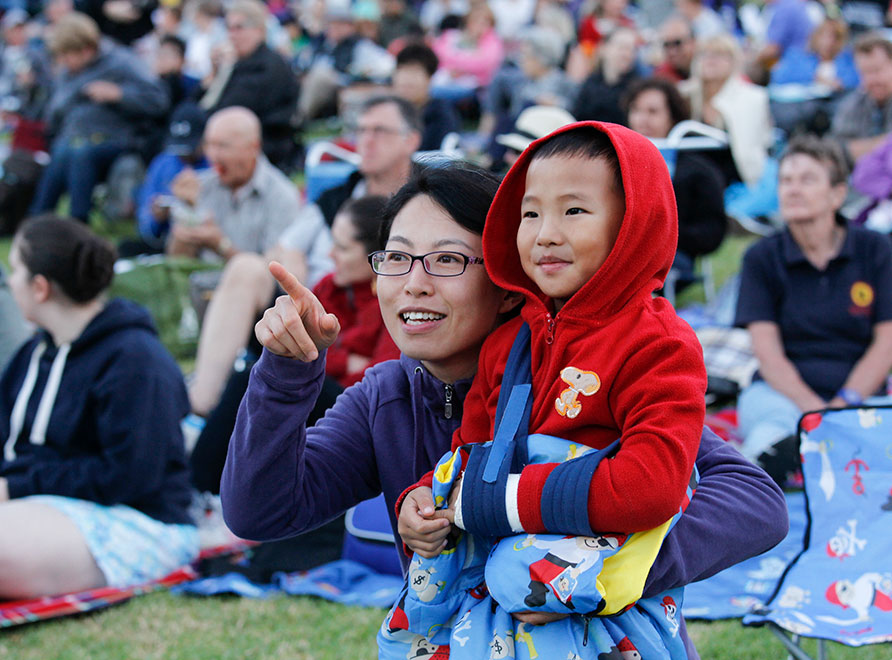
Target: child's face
570	217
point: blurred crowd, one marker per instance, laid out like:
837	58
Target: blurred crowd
90	89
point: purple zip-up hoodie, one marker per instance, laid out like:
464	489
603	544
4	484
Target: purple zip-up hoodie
389	429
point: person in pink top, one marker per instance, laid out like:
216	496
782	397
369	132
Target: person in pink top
469	57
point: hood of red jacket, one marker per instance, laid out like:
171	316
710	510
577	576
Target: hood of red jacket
645	246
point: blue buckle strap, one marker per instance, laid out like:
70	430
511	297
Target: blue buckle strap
508	429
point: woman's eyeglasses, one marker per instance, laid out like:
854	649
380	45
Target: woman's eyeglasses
438	264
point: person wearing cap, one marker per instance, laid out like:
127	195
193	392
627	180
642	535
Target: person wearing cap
154	202
101	106
533	123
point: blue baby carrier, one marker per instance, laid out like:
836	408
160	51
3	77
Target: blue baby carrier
458	605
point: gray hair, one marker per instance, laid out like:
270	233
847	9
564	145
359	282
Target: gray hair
544	44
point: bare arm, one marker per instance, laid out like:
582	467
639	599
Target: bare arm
294	261
776	368
872	369
859	147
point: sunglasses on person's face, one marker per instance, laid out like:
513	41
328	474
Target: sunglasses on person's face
674	43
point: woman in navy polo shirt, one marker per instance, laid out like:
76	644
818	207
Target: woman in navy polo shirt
817	300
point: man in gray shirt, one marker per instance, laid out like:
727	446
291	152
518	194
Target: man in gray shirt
863	120
237	211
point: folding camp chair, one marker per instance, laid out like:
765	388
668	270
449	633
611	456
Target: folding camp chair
369	539
690	135
839	587
326	166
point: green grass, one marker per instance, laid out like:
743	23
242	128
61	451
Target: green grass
161	625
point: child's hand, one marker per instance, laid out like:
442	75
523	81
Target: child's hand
422	528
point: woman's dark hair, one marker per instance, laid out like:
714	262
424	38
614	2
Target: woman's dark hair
585	142
68	254
365	215
463	190
678	106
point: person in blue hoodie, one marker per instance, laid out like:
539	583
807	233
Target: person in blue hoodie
93	478
282	478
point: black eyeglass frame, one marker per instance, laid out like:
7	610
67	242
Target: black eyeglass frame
466	259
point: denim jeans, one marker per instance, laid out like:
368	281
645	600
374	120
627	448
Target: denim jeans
765	416
75	169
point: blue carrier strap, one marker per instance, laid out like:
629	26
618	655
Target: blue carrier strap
489	463
514	405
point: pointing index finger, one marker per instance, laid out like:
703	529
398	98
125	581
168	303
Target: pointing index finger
289	283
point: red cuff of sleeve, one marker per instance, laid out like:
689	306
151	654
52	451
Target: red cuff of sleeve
426	480
529	496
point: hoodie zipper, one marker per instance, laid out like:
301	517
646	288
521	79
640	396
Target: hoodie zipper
549	329
448	407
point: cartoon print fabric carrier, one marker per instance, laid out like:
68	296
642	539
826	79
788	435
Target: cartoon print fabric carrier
840	586
458	604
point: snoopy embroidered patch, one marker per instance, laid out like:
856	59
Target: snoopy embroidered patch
581	382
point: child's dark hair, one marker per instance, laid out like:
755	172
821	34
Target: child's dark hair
365	215
68	254
585	142
463	190
421	54
175	42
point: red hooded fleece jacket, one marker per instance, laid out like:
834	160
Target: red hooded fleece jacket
648	362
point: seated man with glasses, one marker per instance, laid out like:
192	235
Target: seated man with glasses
388	133
677	39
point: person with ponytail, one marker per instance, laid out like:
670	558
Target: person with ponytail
93	480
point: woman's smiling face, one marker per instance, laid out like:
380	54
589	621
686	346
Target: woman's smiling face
441	321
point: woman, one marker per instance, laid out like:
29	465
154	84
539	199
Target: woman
468	57
349	294
721	97
654	106
817	301
807	83
601	18
600	93
826	62
93	481
388	430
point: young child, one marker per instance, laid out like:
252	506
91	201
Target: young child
593	215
